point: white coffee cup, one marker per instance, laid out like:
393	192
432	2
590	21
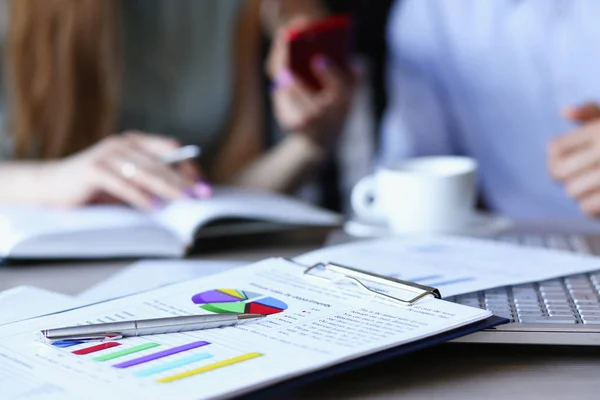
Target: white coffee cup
420	195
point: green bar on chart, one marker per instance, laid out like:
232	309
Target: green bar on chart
121	353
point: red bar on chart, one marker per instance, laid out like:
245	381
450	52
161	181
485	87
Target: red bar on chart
99	347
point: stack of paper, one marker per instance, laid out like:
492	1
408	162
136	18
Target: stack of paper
455	265
309	326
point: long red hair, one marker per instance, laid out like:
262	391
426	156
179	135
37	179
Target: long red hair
64	74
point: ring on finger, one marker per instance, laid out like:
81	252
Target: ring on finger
129	170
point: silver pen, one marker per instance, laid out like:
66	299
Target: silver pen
115	330
182	154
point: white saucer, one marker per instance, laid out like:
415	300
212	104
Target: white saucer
480	225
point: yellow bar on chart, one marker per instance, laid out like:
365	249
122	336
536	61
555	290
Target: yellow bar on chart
210	367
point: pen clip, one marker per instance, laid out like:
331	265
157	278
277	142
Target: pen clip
88	338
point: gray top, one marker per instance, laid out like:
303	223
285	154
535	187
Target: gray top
178	68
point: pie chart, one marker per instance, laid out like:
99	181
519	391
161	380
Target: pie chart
236	301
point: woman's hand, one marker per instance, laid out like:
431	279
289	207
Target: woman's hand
574	158
317	114
127	168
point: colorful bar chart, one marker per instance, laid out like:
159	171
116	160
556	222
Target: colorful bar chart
210	367
170	362
126	352
160	354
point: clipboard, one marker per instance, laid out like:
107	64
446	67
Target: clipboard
378	285
367	281
285	389
281	385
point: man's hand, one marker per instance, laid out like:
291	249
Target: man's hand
574	158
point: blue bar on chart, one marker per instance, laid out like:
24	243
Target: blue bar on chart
450	282
172	365
161	354
420	279
63	344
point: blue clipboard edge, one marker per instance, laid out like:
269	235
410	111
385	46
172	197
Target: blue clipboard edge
279	390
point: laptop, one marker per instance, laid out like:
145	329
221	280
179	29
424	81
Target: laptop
563	311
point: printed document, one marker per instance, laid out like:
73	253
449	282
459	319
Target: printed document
455	265
311	324
25	302
150	274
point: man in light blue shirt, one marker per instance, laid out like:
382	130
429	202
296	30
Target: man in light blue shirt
492	79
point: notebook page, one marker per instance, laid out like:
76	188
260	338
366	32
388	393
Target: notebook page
18	224
310	325
186	216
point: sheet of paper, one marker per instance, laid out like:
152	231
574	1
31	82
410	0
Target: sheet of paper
310	325
454	265
146	275
25	302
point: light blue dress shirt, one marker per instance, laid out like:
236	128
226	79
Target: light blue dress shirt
488	79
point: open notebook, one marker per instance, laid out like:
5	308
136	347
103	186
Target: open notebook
104	231
314	328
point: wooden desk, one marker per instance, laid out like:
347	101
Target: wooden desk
451	371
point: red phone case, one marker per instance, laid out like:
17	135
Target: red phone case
331	37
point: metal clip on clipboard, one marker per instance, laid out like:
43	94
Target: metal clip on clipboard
408	292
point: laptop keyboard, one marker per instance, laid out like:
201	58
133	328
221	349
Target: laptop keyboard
570	300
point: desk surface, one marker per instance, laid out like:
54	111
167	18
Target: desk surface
450	371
